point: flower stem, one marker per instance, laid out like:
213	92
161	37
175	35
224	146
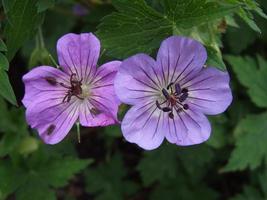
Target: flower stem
40	39
53	61
78	132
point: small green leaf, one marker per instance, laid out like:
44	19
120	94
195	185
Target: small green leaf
4	65
23	21
6	90
251	146
252	76
215	59
2	45
43	5
166	154
56	176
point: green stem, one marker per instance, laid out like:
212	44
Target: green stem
40	38
78	132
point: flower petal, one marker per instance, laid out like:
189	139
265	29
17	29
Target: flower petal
144	125
103	98
188	128
137	80
180	58
209	92
52	119
78	53
44	81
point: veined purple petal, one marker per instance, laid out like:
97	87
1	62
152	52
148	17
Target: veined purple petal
144	125
137	79
188	128
39	82
79	53
180	58
102	98
209	91
52	119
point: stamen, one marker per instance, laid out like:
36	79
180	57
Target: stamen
166	109
184	90
168	87
183	97
171	115
177	88
165	93
158	105
186	107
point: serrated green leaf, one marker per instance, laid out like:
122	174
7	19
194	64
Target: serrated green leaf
11	178
4	65
35	190
251	76
249	193
23	21
137	27
107	180
6	90
2	45
58	171
251	146
215	59
43	5
166	154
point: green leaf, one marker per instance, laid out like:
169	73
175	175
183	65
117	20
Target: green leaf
249	193
59	171
23	21
215	59
4	65
43	5
7	4
251	146
11	178
2	45
137	27
252	76
166	154
6	90
107	180
35	190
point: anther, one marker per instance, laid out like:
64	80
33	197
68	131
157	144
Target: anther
184	90
166	109
185	106
165	93
183	97
177	88
171	115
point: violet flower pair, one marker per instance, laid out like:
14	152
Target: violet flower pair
169	96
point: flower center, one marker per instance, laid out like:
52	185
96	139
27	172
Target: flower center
174	99
85	91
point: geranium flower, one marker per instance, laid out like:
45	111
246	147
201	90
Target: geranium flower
56	99
171	95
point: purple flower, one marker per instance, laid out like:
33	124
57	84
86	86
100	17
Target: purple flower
79	10
171	95
56	99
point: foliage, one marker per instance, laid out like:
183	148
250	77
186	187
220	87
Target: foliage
231	165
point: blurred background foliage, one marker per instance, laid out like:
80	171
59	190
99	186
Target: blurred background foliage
231	165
